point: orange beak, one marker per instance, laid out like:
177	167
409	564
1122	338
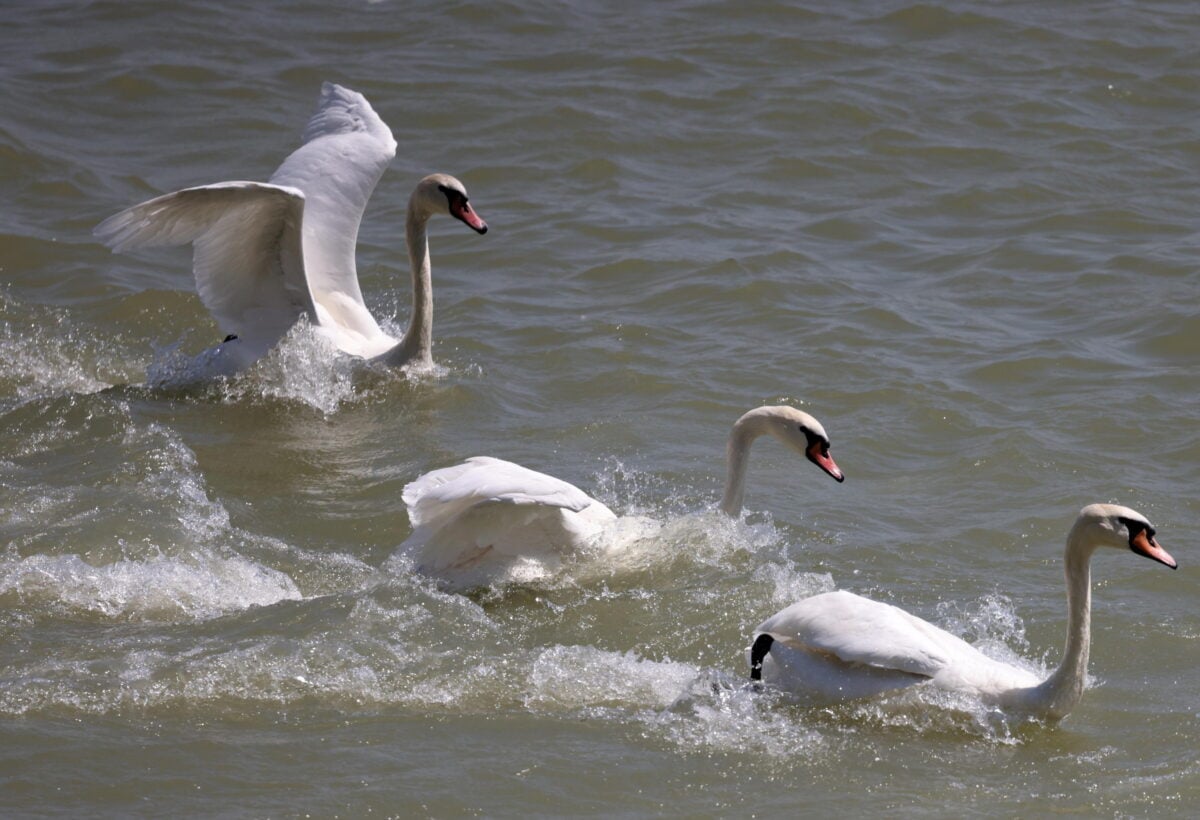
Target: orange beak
1144	544
461	209
818	453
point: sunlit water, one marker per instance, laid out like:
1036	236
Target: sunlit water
962	235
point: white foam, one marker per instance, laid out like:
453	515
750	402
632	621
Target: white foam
152	546
198	587
577	677
697	709
304	367
993	626
38	363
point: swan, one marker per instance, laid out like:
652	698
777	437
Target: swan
840	646
266	254
488	519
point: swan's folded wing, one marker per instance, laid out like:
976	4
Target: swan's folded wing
859	630
247	259
346	149
442	495
495	533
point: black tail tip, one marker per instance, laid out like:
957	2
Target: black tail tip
758	651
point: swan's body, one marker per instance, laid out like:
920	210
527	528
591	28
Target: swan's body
268	253
841	646
487	519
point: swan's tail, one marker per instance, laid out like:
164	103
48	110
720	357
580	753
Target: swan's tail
758	651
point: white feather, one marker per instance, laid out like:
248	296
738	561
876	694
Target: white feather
488	519
267	253
840	646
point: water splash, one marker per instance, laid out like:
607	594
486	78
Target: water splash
194	587
45	351
589	679
303	367
696	709
993	626
149	546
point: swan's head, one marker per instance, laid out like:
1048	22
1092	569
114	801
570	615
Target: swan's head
1111	525
801	432
443	194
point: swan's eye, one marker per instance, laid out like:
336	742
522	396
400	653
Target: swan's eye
453	196
812	438
1135	527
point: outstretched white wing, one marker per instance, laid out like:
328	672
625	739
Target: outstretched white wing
247	259
346	149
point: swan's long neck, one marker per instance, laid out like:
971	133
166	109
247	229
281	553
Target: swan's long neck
417	344
747	428
1059	693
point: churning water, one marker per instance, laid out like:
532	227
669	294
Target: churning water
963	235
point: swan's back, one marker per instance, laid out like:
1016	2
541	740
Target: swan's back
437	497
491	520
860	630
870	647
346	149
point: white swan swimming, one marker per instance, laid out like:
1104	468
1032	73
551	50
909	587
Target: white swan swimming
268	253
488	519
840	646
